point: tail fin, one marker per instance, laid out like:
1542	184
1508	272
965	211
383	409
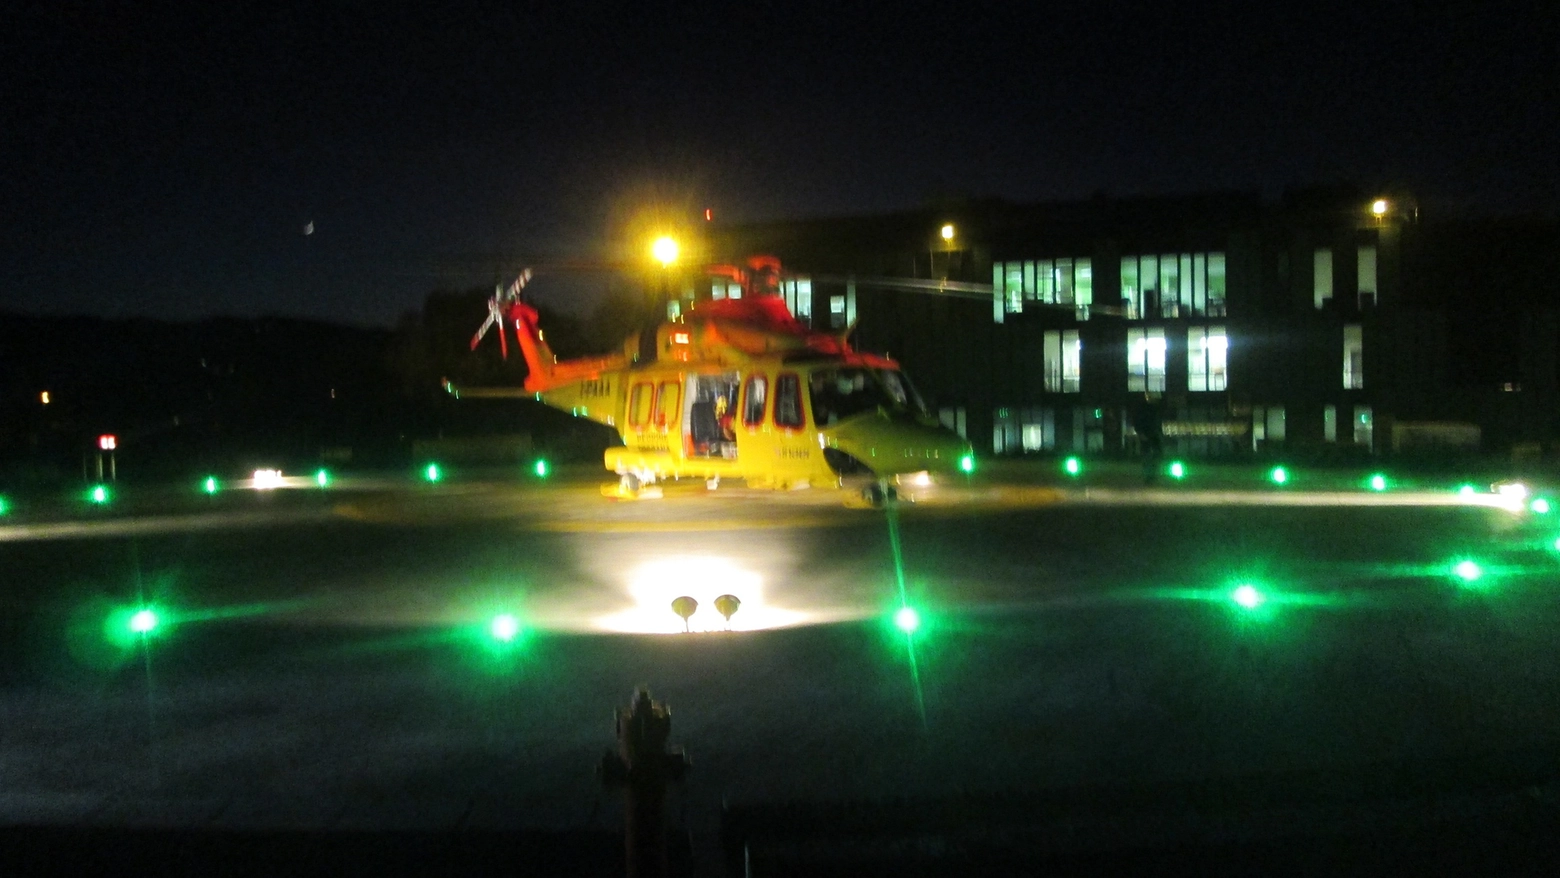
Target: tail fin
539	359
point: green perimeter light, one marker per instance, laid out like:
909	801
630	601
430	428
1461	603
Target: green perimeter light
4	507
98	494
541	469
432	473
1248	596
1557	544
1279	475
143	621
1378	482
1177	470
504	627
1467	571
906	619
1466	491
1072	466
322	478
210	485
1540	506
967	464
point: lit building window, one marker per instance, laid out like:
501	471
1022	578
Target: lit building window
1364	425
724	289
1353	356
1063	356
1267	425
1207	358
1146	359
1366	270
1061	282
1173	285
1330	423
953	417
797	292
842	309
1321	277
1022	430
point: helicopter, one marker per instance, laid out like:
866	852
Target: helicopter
737	388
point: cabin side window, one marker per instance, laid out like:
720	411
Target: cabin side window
639	404
666	402
788	401
754	399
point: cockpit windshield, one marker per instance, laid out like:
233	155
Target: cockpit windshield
842	393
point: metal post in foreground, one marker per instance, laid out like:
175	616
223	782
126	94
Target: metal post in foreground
643	768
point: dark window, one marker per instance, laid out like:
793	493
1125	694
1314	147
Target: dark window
639	404
788	401
666	404
754	400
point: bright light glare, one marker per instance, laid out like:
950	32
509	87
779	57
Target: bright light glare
1279	475
1073	466
210	485
1466	491
504	627
653	585
1541	506
143	621
1248	596
322	478
922	479
267	479
3	506
1512	489
906	619
967	463
1178	470
1379	207
1467	571
540	469
432	473
98	494
947	233
664	250
1378	482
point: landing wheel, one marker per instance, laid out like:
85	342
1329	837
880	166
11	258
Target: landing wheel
879	494
629	483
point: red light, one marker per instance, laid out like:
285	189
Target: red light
679	338
708	214
107	442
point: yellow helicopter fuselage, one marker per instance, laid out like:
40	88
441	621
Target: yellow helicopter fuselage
740	390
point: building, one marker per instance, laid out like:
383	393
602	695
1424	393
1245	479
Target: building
1322	323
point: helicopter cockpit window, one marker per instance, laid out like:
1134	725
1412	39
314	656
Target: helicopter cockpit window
754	401
838	394
902	390
712	412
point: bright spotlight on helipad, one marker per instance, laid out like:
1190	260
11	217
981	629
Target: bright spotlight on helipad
1248	596
143	621
504	627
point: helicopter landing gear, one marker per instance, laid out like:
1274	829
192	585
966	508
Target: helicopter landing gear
633	486
879	494
712	483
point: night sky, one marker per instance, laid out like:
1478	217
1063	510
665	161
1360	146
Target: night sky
166	161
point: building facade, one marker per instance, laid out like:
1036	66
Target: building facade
1312	324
